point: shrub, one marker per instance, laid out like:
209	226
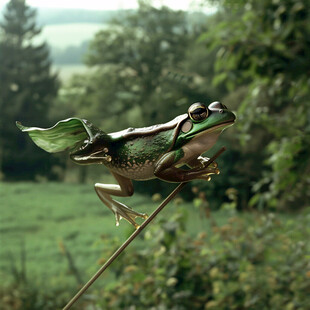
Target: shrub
251	262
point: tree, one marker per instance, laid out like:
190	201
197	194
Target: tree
27	89
141	48
265	45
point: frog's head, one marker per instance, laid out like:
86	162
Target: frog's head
205	122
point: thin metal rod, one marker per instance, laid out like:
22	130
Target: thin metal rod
132	237
123	246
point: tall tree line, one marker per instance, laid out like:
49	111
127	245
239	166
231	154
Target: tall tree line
27	90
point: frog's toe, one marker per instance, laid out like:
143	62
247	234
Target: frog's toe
214	165
206	177
213	170
122	211
117	218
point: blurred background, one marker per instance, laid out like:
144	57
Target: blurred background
240	241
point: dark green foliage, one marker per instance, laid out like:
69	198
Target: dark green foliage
30	296
141	54
27	89
265	45
248	263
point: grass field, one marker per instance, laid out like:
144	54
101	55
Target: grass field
57	235
45	216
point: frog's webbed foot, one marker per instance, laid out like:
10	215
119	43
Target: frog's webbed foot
122	211
202	164
124	189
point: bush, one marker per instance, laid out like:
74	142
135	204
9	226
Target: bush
251	262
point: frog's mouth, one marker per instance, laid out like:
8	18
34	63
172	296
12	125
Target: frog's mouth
215	128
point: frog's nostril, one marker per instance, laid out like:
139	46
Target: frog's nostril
216	105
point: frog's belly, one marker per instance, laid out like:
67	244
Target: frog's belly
137	171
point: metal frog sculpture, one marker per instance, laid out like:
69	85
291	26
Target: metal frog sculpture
158	151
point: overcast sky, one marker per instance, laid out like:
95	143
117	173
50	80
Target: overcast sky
105	4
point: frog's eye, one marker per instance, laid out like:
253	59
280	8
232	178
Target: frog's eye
198	112
216	106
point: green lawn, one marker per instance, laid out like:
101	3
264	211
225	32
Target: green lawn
43	216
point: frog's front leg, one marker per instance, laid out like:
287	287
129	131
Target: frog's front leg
124	189
167	168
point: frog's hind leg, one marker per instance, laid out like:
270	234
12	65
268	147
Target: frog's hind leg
124	189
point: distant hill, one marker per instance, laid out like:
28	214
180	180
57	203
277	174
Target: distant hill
54	16
68	16
61	36
68	42
69	31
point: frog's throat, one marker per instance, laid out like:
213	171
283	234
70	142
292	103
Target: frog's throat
203	141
